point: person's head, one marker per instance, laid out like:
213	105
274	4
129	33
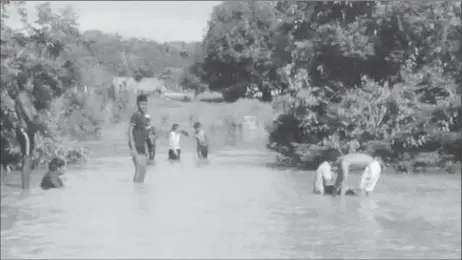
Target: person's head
197	126
142	102
56	164
175	127
13	93
331	156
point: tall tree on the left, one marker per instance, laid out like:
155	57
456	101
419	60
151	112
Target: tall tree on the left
33	72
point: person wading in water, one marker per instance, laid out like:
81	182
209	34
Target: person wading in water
202	142
51	179
151	139
28	126
137	136
325	179
370	176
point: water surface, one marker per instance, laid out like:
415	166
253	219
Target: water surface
234	207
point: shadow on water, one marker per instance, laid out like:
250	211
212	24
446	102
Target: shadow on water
239	205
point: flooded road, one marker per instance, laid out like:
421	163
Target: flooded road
234	207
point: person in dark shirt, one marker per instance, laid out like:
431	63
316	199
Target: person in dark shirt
137	136
202	142
51	179
151	139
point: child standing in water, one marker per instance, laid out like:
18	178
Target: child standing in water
51	179
202	142
174	136
151	139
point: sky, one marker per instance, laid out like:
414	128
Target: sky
156	20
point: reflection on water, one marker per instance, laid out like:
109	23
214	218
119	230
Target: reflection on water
234	207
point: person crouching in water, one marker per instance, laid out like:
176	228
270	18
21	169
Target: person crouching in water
370	175
324	181
51	179
174	138
137	138
202	142
151	139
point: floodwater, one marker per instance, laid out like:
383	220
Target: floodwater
234	207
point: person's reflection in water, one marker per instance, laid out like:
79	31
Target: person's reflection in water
329	190
367	212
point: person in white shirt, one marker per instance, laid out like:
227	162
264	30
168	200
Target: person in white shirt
370	177
325	179
174	138
323	176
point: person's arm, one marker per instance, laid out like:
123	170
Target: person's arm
131	139
184	132
26	142
130	136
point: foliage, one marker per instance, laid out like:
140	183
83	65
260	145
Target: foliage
379	77
238	50
69	77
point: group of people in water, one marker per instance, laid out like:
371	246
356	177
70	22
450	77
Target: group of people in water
330	178
142	140
142	137
327	182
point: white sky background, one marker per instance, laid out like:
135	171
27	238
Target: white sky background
157	20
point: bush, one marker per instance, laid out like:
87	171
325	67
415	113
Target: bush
394	124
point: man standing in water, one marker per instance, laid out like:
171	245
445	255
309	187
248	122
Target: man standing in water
357	160
26	130
137	136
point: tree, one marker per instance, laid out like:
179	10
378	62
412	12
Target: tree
238	49
400	57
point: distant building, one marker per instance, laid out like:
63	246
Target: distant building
152	85
145	85
128	83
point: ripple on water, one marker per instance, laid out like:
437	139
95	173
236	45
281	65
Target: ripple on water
219	211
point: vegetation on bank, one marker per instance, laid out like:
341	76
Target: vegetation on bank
68	75
380	77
